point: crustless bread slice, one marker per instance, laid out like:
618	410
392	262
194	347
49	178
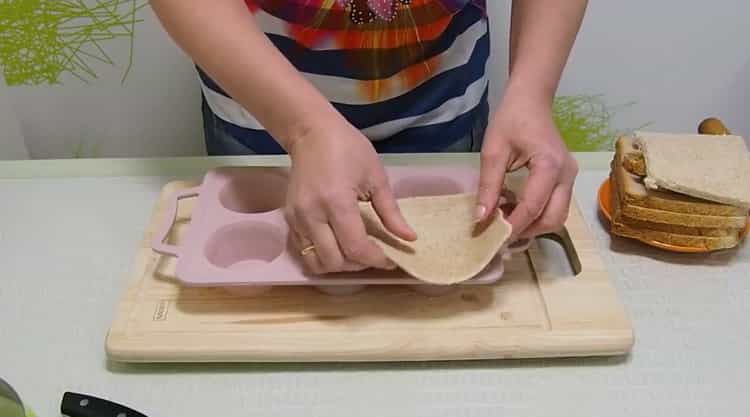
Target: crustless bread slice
709	167
635	194
450	246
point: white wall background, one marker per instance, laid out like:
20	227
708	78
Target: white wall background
12	145
679	61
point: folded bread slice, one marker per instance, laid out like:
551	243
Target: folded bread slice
710	167
450	247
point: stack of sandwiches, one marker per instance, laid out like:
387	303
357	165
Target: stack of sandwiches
691	191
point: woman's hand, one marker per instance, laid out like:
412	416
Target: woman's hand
522	134
332	171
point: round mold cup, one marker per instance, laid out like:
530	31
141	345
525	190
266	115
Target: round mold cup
424	186
245	247
521	245
253	192
340	290
498	275
432	290
247	290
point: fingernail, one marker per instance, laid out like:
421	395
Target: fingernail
479	213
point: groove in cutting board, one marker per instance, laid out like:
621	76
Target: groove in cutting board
529	313
539	295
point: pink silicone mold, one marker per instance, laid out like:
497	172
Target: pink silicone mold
238	238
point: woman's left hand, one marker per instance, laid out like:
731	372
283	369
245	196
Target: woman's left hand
522	133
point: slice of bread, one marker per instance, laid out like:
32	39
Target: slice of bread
677	229
710	167
690	241
668	234
636	194
682	219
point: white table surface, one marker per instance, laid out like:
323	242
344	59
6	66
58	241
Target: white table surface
68	230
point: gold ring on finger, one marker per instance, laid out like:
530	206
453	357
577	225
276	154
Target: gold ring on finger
307	250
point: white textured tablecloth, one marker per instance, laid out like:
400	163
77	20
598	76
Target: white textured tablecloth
66	248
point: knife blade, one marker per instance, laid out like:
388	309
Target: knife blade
82	405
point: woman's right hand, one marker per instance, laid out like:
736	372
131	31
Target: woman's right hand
333	169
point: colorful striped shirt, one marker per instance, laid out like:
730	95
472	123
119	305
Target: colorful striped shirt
407	73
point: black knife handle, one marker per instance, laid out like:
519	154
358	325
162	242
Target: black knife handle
81	405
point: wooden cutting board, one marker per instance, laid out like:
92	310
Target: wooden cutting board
534	311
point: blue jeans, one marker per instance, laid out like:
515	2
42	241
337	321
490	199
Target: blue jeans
220	142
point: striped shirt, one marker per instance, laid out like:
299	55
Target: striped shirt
410	74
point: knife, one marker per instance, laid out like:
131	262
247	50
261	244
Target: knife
82	405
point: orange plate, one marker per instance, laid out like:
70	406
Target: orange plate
605	206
